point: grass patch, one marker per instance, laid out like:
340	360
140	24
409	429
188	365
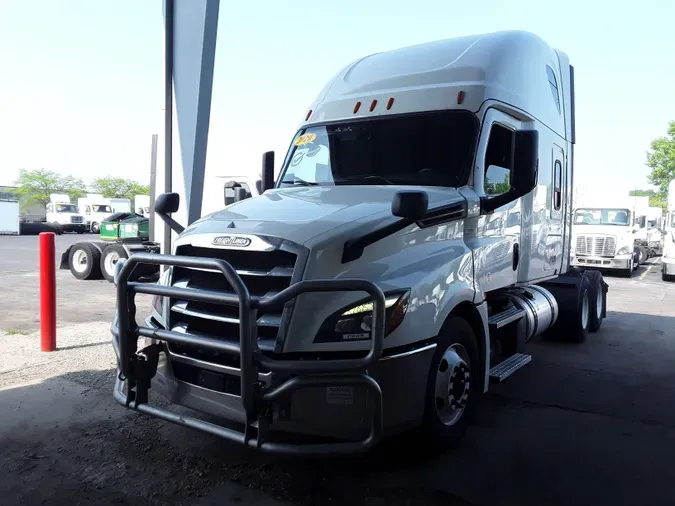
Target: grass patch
17	332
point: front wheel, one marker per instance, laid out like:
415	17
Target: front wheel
95	228
596	297
453	386
642	255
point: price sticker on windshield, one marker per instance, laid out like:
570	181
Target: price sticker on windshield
305	139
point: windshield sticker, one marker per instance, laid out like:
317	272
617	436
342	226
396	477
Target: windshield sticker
305	139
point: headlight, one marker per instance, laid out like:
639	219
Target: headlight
159	302
625	250
354	323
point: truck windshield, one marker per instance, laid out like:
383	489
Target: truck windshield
101	209
432	149
602	217
66	208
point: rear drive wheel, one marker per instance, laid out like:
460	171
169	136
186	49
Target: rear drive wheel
453	386
596	296
83	261
111	255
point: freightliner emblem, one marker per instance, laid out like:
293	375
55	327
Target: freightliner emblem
231	240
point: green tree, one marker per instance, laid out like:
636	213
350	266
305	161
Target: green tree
656	199
34	186
118	187
661	159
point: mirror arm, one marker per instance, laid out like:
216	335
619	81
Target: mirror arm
173	224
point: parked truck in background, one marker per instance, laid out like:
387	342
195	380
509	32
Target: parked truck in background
62	215
417	237
120	205
9	216
668	259
142	205
95	209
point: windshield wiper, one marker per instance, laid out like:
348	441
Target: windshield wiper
300	182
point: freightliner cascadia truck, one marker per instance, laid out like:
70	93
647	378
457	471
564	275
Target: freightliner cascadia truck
416	238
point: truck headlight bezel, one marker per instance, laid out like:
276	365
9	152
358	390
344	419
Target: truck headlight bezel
353	322
625	250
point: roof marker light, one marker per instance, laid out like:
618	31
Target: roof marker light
309	113
372	105
356	107
460	97
390	103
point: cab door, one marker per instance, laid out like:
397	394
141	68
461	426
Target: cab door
497	234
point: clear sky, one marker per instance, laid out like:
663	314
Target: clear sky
81	80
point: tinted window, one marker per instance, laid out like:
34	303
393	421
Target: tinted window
552	81
431	149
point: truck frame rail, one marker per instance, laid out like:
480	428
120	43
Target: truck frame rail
136	368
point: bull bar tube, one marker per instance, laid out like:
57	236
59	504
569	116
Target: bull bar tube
137	368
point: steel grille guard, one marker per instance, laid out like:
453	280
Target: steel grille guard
138	367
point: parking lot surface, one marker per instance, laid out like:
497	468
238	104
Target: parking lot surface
583	424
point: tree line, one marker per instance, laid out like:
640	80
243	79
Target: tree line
35	186
661	160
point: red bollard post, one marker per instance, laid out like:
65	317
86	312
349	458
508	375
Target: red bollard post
47	292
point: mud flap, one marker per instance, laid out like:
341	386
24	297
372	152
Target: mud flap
64	258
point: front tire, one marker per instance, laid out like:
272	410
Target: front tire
95	228
642	255
453	386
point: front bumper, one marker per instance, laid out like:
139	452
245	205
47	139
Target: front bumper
265	396
73	227
622	262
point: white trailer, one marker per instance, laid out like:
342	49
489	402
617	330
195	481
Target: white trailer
9	217
95	208
120	205
668	259
418	236
63	215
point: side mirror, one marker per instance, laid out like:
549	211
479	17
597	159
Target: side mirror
267	182
412	205
525	161
165	204
524	173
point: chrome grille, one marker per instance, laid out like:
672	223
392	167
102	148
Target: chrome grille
598	245
264	273
76	219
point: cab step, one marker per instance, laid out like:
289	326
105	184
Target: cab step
510	365
499	320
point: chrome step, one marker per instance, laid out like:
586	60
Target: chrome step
505	317
506	368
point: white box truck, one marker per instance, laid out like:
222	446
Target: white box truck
95	209
142	205
417	237
9	216
668	258
63	215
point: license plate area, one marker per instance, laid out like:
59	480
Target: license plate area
211	380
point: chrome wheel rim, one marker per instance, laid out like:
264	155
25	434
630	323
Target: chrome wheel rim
585	311
110	260
453	384
80	260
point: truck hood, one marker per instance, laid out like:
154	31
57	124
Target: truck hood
300	214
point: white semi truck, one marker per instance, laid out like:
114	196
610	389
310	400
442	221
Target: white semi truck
63	215
95	209
417	237
668	259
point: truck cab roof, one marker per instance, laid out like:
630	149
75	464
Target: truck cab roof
514	67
